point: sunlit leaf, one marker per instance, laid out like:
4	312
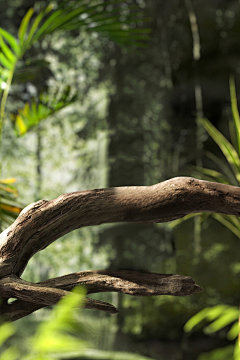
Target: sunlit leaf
8	181
233	332
207	313
227	317
11	354
233	135
11	40
39	109
5	62
7	52
195	320
29	39
8	189
20	125
222	353
11	209
24	25
7	330
57	336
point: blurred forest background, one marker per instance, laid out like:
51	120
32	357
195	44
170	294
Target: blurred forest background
134	123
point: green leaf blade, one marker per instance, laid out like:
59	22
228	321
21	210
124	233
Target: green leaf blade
12	41
24	25
235	112
226	147
7	52
5	62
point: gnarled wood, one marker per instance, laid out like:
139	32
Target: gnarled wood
43	222
35	296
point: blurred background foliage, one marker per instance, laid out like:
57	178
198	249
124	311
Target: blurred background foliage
134	121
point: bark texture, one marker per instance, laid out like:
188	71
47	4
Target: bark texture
43	222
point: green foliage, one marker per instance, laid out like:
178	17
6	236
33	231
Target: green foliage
9	209
222	315
67	16
63	16
61	336
41	108
219	354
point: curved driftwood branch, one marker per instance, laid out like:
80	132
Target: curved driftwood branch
43	222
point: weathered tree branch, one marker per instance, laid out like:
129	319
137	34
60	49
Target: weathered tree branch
49	292
43	222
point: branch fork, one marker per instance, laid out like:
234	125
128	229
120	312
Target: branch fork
43	222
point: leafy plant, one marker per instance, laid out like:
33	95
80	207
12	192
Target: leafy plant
220	316
230	170
67	16
9	209
40	108
113	22
63	334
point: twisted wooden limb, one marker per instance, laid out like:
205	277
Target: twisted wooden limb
43	222
49	292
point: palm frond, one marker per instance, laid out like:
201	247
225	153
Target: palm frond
39	109
227	148
9	208
235	113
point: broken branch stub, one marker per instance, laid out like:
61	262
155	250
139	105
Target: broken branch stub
43	222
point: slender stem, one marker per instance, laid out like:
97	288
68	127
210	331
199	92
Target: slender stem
39	163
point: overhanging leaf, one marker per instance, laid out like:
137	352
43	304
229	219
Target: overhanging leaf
8	181
226	147
11	40
24	26
224	219
213	174
224	168
235	112
226	318
207	313
7	52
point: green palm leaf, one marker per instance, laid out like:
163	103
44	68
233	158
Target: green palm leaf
227	172
24	26
29	39
9	209
234	227
93	18
6	51
32	114
235	112
11	41
226	147
211	175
